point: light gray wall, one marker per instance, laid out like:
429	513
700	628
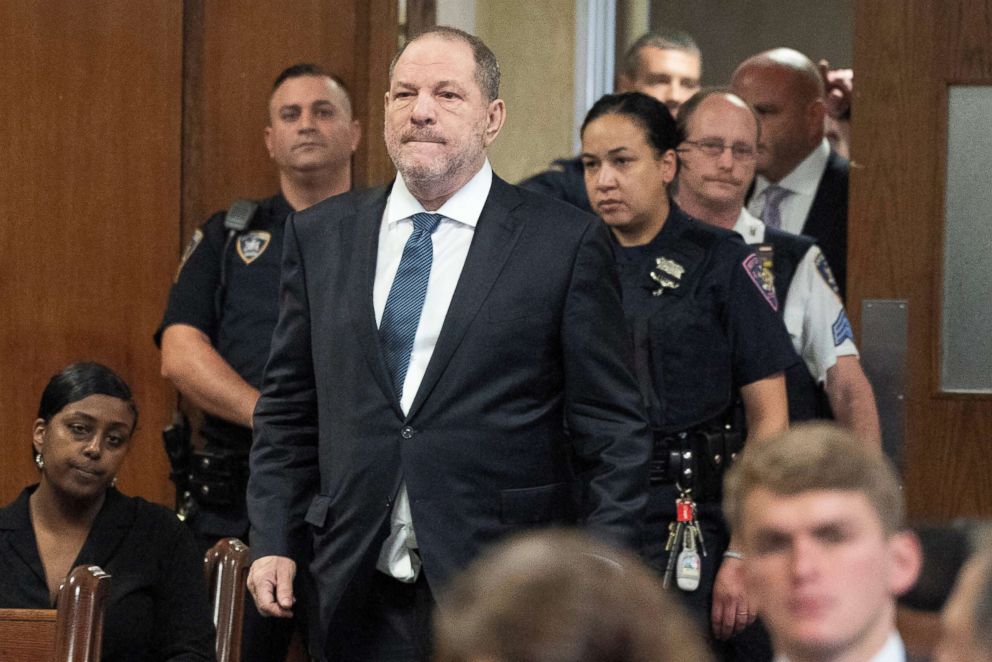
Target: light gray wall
728	31
456	13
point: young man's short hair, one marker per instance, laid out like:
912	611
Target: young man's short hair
815	456
676	40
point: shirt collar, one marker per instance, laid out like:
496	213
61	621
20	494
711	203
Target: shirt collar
892	651
749	227
805	177
465	206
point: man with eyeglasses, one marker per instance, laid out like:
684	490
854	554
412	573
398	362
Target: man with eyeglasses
717	163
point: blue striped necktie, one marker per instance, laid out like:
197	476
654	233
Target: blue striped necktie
405	302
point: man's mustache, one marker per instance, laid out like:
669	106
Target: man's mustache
423	137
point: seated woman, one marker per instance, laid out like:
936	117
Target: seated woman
157	608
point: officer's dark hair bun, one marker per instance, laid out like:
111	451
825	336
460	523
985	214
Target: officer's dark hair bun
653	116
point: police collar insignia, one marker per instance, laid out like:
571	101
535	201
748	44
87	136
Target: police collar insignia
252	244
762	278
667	273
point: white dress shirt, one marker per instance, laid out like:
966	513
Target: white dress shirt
451	241
803	181
813	313
892	651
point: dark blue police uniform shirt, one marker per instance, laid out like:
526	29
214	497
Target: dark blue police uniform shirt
714	329
243	330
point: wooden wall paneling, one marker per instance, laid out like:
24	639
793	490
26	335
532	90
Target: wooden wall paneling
420	15
123	130
233	52
906	54
378	29
89	195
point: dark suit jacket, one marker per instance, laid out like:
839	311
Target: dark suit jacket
827	219
534	336
564	180
157	608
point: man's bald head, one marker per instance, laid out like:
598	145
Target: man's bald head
786	90
805	79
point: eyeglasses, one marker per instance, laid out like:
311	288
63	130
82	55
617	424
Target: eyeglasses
716	148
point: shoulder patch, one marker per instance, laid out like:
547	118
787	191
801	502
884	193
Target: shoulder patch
842	328
194	241
252	244
828	275
762	278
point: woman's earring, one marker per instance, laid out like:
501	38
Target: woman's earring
113	483
40	461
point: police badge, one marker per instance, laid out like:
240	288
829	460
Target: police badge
252	244
667	273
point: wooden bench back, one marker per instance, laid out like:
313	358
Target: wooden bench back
225	566
73	632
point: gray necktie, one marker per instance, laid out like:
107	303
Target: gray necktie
771	214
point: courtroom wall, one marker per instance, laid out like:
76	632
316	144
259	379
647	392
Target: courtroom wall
535	44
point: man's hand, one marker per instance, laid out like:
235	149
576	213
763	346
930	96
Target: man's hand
731	611
270	582
839	88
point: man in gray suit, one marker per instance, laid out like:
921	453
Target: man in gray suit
435	338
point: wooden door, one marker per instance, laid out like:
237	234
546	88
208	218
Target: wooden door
907	54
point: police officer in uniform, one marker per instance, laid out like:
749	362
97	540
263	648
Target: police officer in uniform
702	311
717	163
223	306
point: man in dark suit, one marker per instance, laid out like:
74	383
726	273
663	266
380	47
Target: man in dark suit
802	185
434	339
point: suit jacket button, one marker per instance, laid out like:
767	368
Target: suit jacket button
407	432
